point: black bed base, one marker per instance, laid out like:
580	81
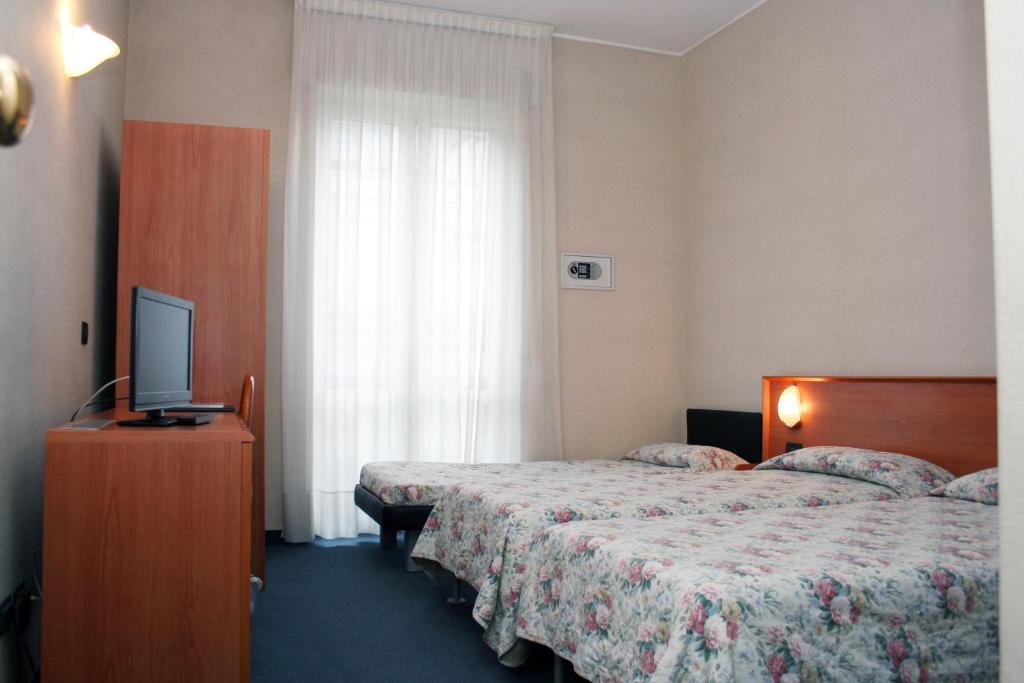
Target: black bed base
392	519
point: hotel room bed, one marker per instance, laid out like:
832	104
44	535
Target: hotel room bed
903	590
481	532
400	495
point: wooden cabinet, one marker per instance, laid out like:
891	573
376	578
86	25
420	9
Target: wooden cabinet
146	553
193	224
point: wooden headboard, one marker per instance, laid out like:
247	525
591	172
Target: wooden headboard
950	421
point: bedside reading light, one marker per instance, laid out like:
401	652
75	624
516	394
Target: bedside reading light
789	406
84	48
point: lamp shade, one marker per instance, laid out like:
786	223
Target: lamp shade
789	406
84	48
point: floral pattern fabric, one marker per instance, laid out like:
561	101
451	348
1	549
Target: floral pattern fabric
906	474
981	487
422	483
481	531
697	458
903	590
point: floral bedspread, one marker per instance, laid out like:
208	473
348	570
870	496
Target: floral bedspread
904	590
481	531
422	483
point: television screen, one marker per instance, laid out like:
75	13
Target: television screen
161	353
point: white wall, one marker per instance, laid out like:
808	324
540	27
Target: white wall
836	188
58	221
1004	21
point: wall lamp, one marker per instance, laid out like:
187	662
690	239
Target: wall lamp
789	406
16	102
84	49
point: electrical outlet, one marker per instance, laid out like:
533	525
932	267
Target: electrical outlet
791	446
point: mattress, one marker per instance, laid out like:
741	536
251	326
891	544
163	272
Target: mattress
897	590
481	531
423	483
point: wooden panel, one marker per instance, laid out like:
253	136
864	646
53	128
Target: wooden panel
244	559
950	421
193	224
146	554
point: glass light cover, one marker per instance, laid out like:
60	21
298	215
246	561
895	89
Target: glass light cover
84	48
789	406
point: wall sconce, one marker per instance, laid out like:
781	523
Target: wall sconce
16	102
84	48
789	406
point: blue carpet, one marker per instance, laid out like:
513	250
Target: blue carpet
347	611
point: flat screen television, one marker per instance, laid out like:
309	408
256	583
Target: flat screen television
161	356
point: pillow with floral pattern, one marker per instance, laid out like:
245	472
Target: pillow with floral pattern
697	458
981	487
905	474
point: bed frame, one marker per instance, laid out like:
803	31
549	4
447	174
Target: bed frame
950	421
739	432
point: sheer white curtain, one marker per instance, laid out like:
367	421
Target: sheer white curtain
420	302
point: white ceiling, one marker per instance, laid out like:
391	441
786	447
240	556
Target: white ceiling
671	26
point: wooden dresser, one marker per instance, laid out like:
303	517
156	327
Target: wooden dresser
146	553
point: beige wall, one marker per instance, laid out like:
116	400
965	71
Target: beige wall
618	173
837	203
1005	23
58	229
225	63
834	151
618	165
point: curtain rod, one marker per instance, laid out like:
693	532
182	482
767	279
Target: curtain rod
429	16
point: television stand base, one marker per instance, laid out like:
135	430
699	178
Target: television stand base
154	418
149	422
